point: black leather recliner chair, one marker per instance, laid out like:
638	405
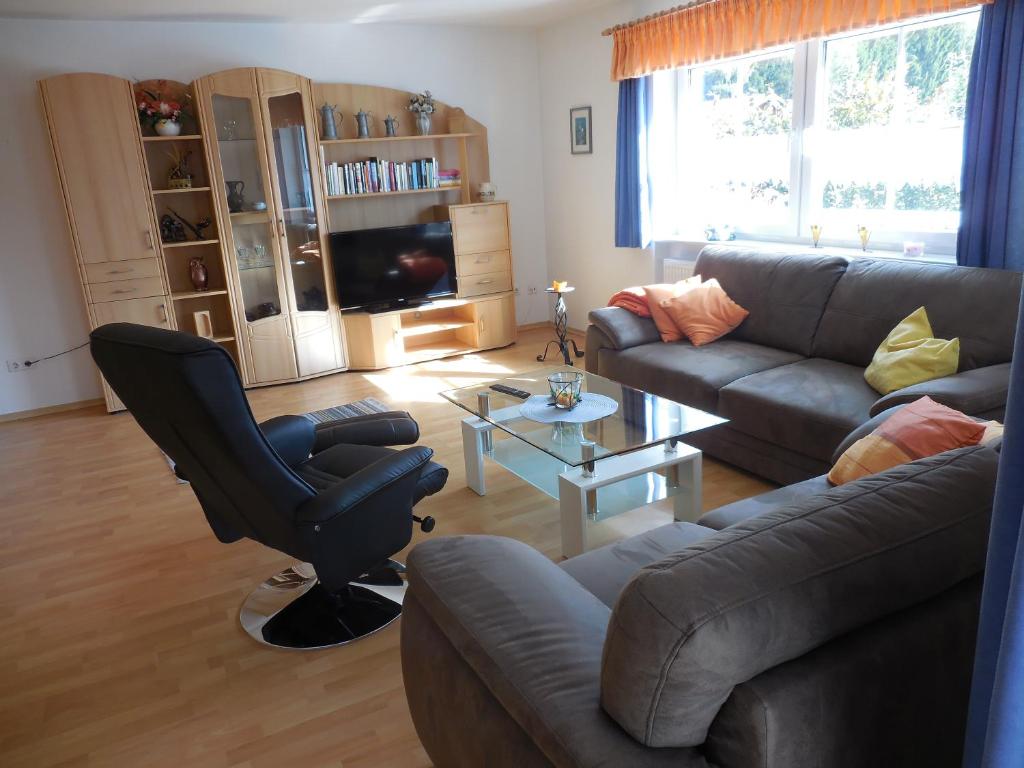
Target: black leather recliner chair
331	495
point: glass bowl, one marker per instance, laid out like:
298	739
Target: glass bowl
565	387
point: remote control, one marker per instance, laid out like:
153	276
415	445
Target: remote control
505	390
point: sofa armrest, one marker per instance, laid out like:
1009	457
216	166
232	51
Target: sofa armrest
624	329
291	436
972	392
388	428
533	636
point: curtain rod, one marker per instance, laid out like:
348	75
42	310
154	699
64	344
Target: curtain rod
658	15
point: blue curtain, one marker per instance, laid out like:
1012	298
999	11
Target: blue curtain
992	186
995	726
632	177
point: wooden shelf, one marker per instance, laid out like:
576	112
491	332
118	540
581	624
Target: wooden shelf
375	139
180	191
187	243
223	339
412	328
249	217
183	137
392	194
197	294
435	350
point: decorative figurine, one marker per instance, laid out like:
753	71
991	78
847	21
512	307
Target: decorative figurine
363	124
179	176
390	124
171	230
236	200
196	229
198	273
815	234
328	118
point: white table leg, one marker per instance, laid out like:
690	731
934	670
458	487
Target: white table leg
687	504
572	504
473	434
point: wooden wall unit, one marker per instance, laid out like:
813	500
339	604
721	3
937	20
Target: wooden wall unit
271	293
264	145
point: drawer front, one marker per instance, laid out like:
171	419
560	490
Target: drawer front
126	289
108	271
489	282
480	228
481	263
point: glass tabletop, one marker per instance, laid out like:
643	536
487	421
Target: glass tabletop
619	419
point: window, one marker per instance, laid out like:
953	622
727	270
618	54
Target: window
862	129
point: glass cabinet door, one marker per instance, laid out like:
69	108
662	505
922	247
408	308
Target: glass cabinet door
249	209
297	217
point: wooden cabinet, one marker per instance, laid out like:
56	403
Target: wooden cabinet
97	148
95	138
480	232
271	212
495	322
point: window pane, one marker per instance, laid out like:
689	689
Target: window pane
890	153
734	135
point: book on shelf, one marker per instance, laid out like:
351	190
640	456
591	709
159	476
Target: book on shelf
373	175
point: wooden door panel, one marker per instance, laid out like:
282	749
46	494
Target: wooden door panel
95	137
273	355
315	350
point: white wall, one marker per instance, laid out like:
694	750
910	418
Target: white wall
491	73
579	190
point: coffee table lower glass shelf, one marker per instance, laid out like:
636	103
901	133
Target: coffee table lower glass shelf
594	491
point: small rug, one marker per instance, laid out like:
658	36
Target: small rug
592	407
358	408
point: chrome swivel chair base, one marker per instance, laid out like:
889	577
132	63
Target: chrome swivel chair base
292	610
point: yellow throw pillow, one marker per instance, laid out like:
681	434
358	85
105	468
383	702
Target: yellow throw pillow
910	355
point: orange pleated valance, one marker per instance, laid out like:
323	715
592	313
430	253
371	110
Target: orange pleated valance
717	29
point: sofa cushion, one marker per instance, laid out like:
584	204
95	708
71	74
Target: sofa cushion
605	571
704	313
977	305
689	374
808	406
744	509
784	292
688	629
910	355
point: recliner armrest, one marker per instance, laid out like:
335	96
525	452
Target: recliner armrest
972	392
389	428
623	328
290	436
534	637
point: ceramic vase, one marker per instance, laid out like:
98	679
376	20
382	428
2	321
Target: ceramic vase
167	128
198	274
423	123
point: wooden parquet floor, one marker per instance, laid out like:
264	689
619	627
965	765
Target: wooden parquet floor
119	635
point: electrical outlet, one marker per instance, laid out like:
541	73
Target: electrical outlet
13	366
516	290
532	290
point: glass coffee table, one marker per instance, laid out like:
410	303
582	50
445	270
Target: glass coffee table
619	449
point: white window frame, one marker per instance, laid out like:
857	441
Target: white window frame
809	79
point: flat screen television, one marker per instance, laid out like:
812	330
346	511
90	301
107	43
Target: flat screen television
393	266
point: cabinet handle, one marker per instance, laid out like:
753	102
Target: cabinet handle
484	282
483	259
482	324
162	309
125	290
149	240
118	271
280	228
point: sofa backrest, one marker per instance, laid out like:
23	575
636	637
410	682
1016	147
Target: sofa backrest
785	292
688	629
977	305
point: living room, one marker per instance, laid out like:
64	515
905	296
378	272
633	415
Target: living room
534	382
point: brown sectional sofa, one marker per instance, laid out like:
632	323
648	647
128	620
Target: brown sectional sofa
790	378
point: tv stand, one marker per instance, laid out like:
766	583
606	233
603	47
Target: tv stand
395	306
438	329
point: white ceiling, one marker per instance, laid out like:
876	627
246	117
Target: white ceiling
497	12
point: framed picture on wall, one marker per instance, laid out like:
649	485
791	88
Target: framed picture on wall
580	136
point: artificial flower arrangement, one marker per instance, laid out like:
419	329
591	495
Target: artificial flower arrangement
422	103
164	114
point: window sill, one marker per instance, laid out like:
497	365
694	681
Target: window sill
688	248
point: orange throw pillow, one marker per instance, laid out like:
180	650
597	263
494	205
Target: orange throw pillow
923	428
704	313
660	292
